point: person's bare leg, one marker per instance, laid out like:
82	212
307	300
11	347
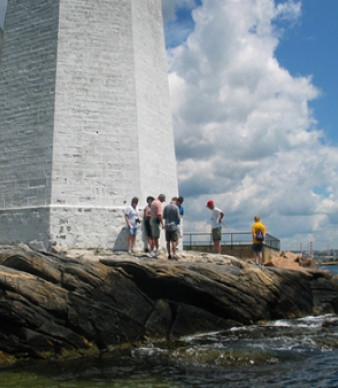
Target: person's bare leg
132	241
260	258
217	246
174	246
168	248
129	241
150	243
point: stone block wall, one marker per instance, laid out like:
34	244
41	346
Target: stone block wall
153	101
95	154
27	83
85	122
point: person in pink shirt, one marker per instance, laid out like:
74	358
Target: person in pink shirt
156	223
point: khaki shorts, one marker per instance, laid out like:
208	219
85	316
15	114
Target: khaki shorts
155	227
217	234
171	235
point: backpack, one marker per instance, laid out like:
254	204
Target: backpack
259	235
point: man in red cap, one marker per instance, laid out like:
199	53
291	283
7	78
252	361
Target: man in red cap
216	225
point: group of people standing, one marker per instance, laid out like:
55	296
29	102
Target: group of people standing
258	232
155	219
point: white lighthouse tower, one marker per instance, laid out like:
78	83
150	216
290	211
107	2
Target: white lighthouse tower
85	120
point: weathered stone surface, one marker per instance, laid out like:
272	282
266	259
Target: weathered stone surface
289	260
55	306
84	96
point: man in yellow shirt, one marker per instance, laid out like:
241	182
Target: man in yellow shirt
258	236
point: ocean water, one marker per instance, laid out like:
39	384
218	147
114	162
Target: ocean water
284	353
332	268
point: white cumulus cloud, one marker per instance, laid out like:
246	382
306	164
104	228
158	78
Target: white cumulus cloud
245	135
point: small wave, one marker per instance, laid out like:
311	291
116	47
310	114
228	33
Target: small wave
309	321
191	338
244	328
149	352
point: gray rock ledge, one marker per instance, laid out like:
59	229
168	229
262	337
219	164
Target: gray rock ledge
54	305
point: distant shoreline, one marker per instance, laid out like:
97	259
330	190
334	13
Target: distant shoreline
329	263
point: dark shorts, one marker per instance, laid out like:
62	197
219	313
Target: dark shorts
148	227
171	236
217	234
257	247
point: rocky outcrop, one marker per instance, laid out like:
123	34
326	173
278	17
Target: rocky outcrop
57	306
289	260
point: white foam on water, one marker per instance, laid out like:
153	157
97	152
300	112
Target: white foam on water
191	338
309	321
149	352
244	328
279	323
308	341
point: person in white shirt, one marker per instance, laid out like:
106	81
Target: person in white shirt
216	225
132	218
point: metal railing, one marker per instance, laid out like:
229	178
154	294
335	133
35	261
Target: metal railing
230	239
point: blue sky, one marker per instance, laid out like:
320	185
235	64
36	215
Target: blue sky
308	47
254	88
311	47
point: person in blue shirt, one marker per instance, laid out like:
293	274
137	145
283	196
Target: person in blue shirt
179	202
